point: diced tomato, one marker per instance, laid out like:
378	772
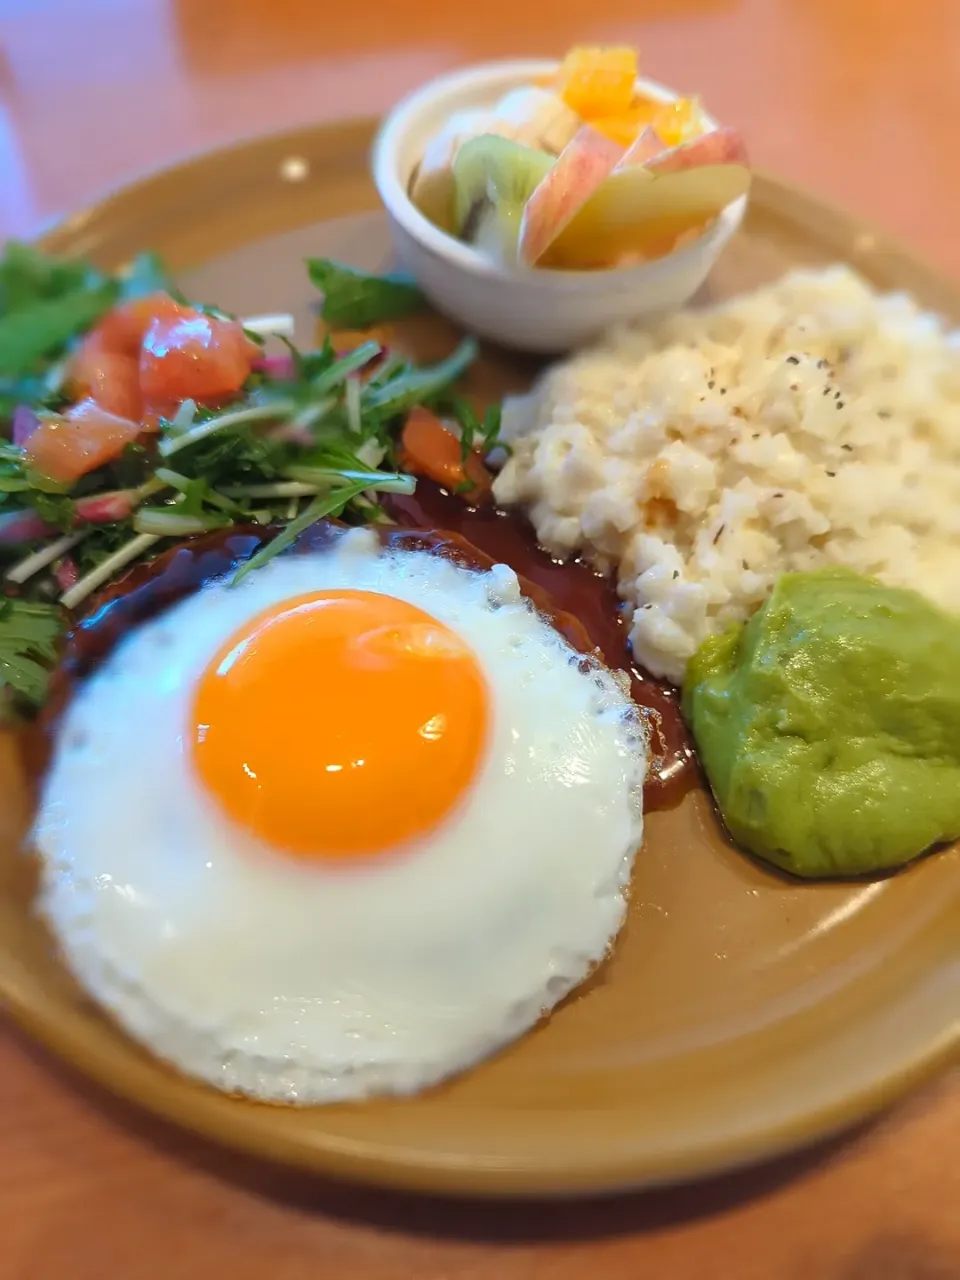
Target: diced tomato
122	330
109	377
194	357
146	357
107	366
65	448
429	449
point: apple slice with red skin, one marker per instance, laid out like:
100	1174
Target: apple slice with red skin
599	198
644	207
720	146
647	147
581	168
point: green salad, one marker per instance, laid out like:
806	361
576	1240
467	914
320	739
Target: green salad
135	417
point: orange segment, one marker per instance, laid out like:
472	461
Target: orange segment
679	121
340	724
625	127
598	82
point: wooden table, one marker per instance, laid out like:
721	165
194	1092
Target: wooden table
856	98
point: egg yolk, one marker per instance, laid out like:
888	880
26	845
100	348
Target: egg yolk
340	724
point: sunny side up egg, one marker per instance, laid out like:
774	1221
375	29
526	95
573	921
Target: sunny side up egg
342	829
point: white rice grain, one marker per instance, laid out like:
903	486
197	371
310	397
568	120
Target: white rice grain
811	422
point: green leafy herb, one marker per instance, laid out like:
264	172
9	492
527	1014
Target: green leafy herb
418	386
174	522
28	636
101	542
354	299
238	456
44	328
131	469
28	276
44	303
197	493
330	505
14	477
336	373
308	365
475	433
55	509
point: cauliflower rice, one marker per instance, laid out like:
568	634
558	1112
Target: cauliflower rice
811	422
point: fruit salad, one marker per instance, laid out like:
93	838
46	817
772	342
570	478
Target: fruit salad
580	171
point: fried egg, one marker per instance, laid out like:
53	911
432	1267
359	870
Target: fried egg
344	828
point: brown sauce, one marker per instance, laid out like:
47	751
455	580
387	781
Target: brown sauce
581	605
574	589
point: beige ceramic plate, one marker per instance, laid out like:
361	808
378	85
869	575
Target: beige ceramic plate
740	1014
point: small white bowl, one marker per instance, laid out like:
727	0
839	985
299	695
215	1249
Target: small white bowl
530	309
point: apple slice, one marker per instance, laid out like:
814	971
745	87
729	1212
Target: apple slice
646	147
639	213
719	146
582	167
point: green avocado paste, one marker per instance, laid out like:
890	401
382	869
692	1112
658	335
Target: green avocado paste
829	725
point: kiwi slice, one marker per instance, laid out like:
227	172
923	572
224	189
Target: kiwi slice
493	179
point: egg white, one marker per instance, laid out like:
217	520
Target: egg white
307	982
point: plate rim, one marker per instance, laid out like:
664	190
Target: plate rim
359	1161
356	1163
